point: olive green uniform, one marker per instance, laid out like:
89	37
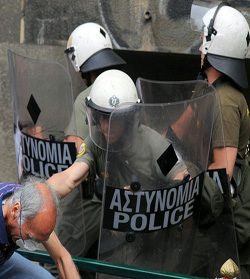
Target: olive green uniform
232	112
235	118
78	126
146	148
95	158
140	159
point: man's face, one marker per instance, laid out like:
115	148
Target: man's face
88	78
200	49
116	129
39	228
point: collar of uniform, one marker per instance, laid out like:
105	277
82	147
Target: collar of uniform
220	80
3	233
225	79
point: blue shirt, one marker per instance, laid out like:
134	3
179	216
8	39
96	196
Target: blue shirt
7	247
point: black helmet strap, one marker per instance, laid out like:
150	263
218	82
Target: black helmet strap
211	29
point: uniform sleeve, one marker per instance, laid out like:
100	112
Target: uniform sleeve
231	125
87	154
226	123
217	132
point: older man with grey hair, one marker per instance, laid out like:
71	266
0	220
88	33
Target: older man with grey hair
27	218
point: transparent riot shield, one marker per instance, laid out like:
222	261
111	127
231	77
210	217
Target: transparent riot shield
154	182
77	82
198	10
42	105
217	236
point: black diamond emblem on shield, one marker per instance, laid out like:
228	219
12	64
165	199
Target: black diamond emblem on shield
33	109
167	160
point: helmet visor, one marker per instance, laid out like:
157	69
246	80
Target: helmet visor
109	129
98	122
198	10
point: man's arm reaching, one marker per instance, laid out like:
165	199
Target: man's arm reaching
62	258
64	182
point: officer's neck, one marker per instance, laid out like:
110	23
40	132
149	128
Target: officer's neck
212	74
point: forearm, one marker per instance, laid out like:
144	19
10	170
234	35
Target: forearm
61	257
66	267
61	183
224	158
64	182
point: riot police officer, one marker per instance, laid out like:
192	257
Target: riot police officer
225	42
224	47
135	151
90	51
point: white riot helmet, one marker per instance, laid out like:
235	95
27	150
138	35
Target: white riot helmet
226	41
113	89
89	48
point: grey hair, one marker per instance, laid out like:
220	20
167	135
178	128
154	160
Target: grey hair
31	199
